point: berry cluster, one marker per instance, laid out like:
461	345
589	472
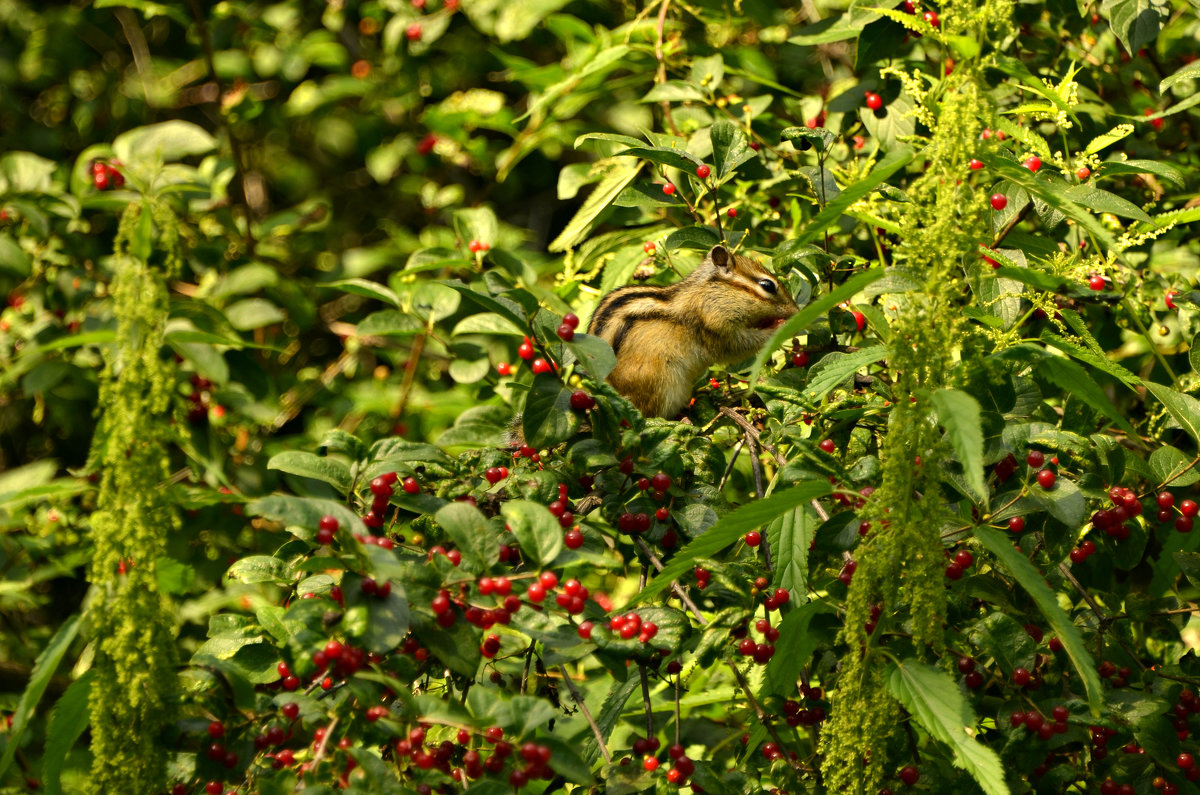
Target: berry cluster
105	176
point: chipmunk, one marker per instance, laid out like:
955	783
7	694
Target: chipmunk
666	337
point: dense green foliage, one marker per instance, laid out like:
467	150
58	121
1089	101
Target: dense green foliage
280	276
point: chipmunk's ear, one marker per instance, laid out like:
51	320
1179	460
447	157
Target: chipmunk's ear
720	257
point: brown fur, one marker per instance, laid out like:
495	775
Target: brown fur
666	337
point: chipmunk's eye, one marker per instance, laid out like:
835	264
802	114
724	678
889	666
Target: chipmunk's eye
768	285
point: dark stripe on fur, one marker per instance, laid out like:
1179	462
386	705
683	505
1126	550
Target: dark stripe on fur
619	298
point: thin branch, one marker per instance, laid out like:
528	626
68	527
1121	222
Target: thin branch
646	700
587	715
737	673
1087	597
234	145
660	76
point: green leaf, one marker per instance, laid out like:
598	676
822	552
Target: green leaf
893	162
1101	201
673	91
1171	467
1189	72
43	670
730	148
621	172
548	418
1118	133
1069	376
505	307
609	715
693	237
254	313
595	354
819	138
959	414
68	719
566	761
260	568
1135	22
367	289
1184	408
852	287
310	465
1092	358
163	143
536	529
389	323
794	648
933	698
471	533
729	529
1029	578
790	536
831	29
1065	502
834	368
708	72
301	515
1158	169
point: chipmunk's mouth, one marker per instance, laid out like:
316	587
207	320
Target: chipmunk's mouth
771	323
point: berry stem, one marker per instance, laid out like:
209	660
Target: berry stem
587	713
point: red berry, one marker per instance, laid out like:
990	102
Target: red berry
1165	499
1033	163
573	539
964	558
1083	173
1096	282
1078	555
410	486
874	101
932	18
540	366
999	201
565	333
1046	478
827	445
954	572
703	171
1185	761
753	538
909	774
731	212
1021	677
975	165
327	523
571	319
1035	459
1016	524
503	368
668	188
1168	298
413	31
582	401
1188	508
800	359
526	350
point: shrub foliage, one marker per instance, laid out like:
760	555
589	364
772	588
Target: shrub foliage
285	282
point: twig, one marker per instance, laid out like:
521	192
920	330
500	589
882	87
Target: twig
410	372
320	753
235	146
1087	597
587	715
646	700
661	76
732	460
691	606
